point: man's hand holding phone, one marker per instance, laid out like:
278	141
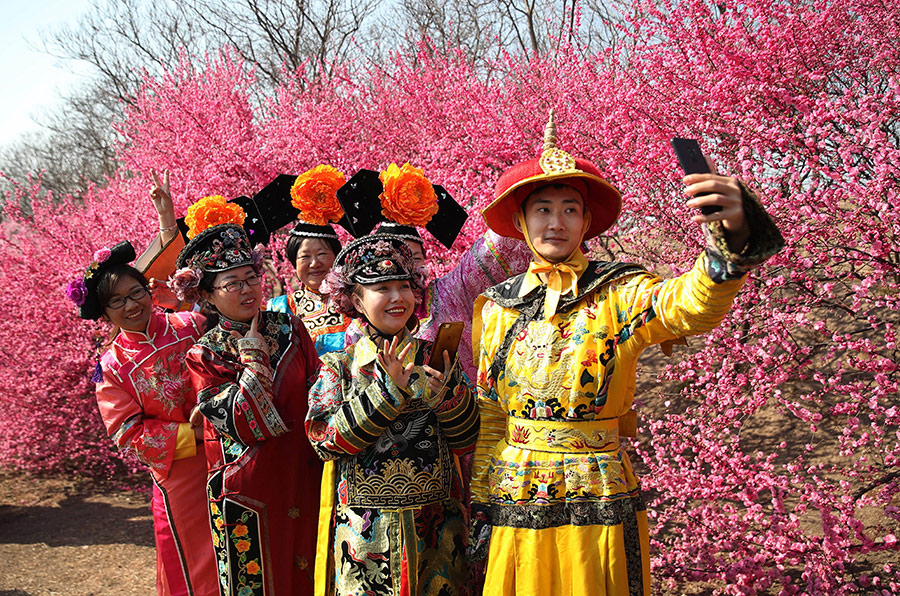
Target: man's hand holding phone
717	197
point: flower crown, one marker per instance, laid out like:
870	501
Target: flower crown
408	197
212	211
314	194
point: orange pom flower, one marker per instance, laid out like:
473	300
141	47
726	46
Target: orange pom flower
408	198
212	211
314	193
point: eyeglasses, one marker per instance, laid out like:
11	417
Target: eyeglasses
119	301
238	284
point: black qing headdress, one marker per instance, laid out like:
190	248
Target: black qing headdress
307	230
267	211
217	249
374	259
83	291
407	199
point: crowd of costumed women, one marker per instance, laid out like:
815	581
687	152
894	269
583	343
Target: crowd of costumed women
313	444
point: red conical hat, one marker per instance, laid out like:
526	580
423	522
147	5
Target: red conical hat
553	166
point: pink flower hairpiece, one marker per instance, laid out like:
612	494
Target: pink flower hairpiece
185	284
101	254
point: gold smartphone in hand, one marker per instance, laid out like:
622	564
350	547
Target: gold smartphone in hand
447	339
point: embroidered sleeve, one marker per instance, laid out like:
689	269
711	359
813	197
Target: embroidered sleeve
491	260
238	403
151	440
765	240
492	427
344	419
158	261
352	333
457	412
308	350
491	410
649	310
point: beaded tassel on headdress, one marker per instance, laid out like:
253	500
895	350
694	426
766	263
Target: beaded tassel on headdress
98	369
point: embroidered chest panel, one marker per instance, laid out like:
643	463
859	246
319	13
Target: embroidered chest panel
157	373
318	316
409	465
276	330
166	381
561	368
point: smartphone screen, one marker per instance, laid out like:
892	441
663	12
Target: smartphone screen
690	158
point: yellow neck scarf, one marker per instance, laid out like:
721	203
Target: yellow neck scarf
561	278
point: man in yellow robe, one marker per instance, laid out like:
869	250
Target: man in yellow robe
556	506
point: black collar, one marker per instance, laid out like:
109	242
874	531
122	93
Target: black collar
506	294
231	325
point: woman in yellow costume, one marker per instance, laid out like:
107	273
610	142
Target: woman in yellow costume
556	506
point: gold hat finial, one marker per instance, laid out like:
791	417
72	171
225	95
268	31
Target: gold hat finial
554	160
550	132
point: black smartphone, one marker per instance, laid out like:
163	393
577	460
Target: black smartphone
447	339
690	158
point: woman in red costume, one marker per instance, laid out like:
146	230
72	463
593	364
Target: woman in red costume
251	370
145	400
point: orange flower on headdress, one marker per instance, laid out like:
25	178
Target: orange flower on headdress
408	198
212	211
314	193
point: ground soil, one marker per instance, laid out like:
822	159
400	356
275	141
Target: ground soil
60	536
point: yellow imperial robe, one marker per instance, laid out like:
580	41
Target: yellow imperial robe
556	506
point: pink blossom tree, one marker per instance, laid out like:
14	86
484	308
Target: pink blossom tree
770	447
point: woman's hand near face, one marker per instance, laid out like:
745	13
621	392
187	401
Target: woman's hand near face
436	378
392	362
162	295
252	333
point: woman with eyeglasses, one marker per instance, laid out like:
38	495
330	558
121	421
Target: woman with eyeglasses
251	371
146	399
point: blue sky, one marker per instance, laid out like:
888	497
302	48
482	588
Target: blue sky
31	80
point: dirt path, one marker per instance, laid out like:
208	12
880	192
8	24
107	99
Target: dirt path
63	537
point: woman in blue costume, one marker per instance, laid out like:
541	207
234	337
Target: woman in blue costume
311	248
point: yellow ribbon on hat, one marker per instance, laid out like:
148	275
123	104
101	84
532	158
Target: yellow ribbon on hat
561	278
